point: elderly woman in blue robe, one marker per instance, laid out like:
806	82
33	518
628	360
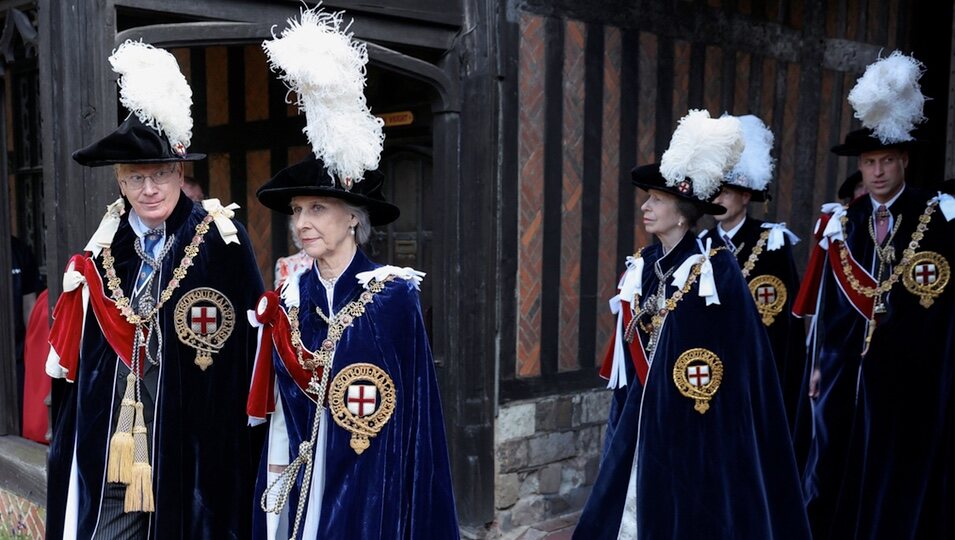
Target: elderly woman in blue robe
356	443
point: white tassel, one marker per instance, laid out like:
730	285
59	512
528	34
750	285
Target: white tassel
152	87
755	167
318	59
702	150
888	99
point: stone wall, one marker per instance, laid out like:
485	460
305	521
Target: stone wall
547	452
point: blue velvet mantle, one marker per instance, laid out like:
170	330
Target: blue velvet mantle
727	474
400	487
202	450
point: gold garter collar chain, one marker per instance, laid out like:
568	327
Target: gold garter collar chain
754	255
115	286
897	272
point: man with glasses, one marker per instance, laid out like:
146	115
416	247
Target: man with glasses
150	437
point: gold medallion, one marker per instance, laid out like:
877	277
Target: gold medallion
362	399
926	276
204	320
697	374
770	294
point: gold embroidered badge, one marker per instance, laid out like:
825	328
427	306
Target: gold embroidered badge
204	320
770	294
697	374
926	276
362	399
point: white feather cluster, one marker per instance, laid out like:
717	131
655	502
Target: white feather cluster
152	87
755	167
888	99
702	150
318	59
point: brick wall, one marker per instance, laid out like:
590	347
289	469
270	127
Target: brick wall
20	519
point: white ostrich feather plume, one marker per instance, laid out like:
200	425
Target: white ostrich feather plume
152	87
702	150
755	167
888	99
320	61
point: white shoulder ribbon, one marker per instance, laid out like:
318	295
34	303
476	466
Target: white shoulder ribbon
631	284
833	230
103	237
382	272
222	215
946	204
776	233
707	283
290	292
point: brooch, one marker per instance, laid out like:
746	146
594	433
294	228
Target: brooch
362	399
926	276
204	320
769	292
697	374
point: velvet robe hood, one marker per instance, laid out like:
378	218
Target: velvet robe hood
880	464
400	487
201	453
729	473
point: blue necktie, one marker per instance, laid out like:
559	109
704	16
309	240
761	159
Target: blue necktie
729	242
150	240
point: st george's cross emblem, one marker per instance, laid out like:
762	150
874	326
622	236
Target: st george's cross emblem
362	399
926	276
697	374
770	294
204	320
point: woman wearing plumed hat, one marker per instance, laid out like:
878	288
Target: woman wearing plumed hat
700	447
356	445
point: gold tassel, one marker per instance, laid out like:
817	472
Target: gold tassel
120	462
139	493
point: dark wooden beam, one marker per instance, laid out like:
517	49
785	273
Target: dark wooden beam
706	25
9	394
466	216
197	34
384	25
78	106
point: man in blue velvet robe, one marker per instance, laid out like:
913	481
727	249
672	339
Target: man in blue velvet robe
882	342
190	466
879	464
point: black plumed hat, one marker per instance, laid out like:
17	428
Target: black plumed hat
311	178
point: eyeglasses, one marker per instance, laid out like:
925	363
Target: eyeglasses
160	178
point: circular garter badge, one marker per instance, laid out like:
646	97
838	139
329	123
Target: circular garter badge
362	399
927	276
770	294
697	374
204	320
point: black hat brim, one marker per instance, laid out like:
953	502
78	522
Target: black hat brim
131	143
754	195
647	177
863	140
309	178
